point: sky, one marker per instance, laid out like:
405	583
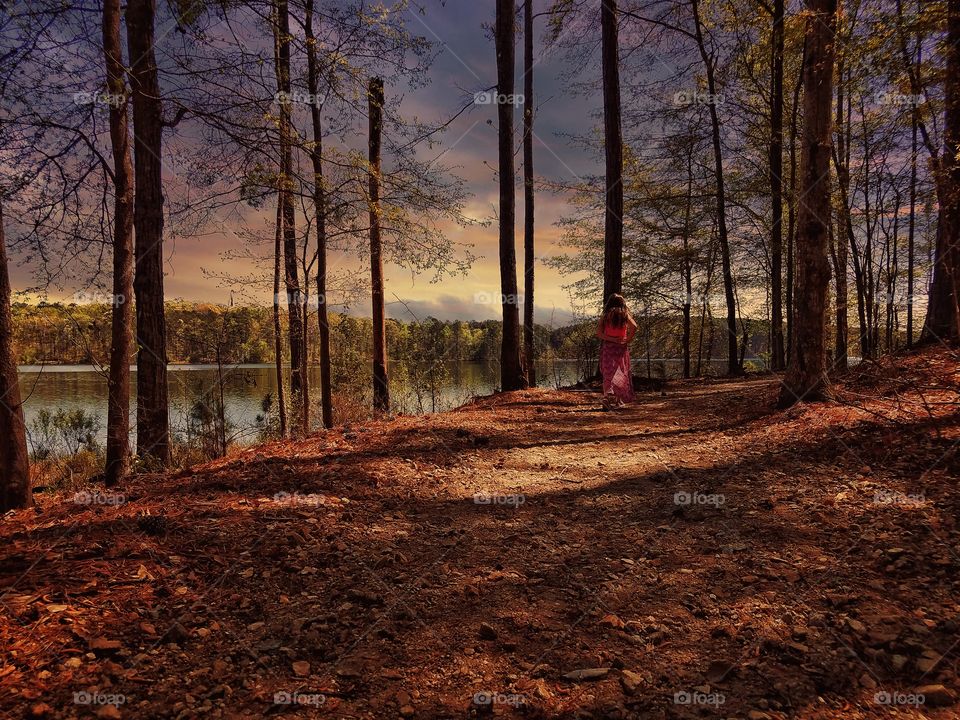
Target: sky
466	63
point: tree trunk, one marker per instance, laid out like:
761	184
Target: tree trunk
687	265
298	363
320	204
733	366
778	361
911	230
838	242
153	436
117	464
945	323
15	491
381	391
511	371
528	198
806	377
277	328
792	210
613	150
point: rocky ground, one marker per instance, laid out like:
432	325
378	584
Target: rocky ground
700	554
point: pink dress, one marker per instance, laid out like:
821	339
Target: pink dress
615	365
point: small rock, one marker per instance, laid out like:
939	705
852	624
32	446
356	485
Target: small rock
631	681
936	695
587	674
858	627
104	645
108	712
867	681
898	662
487	632
73	662
407	711
41	709
612	621
301	668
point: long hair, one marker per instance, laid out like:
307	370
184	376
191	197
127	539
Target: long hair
615	312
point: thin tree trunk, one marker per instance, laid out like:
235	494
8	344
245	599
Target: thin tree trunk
806	376
613	151
511	371
117	464
733	366
381	391
277	328
778	361
320	204
290	259
838	243
15	491
792	210
687	265
153	437
528	197
913	217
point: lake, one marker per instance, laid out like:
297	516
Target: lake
245	386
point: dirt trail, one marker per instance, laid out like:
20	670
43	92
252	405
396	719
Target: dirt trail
703	553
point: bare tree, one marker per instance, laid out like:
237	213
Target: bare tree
381	390
778	360
153	438
529	358
277	328
320	205
118	401
806	378
298	360
613	151
511	370
14	462
733	364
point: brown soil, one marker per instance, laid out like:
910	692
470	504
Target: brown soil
816	566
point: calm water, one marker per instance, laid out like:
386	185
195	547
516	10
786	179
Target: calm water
245	386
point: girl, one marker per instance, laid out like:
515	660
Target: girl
615	330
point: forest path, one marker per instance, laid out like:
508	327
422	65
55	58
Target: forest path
700	552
